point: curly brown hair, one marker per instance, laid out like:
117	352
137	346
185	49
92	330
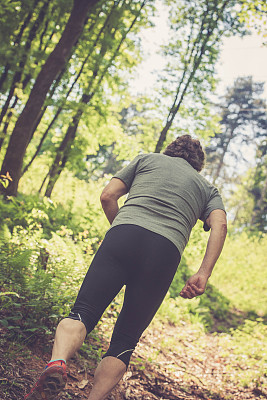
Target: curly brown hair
189	149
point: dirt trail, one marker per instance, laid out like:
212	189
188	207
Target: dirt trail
184	368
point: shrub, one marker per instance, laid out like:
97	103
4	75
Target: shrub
40	277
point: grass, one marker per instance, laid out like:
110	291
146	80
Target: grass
241	273
234	306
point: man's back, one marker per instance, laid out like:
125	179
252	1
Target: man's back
167	196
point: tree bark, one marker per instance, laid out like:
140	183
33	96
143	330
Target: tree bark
60	108
62	153
9	114
175	107
221	160
259	204
18	74
16	40
38	148
193	61
64	149
225	149
55	62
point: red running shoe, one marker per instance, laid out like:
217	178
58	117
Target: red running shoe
50	383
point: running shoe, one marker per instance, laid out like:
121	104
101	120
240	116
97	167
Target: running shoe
50	383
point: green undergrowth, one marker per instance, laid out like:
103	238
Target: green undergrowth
239	274
246	350
236	291
41	269
233	307
46	247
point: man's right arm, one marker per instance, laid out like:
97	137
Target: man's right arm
196	285
110	196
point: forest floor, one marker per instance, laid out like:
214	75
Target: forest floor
170	363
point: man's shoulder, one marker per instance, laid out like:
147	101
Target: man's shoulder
153	157
211	190
157	157
206	182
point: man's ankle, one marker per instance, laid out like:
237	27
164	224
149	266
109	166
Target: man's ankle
57	359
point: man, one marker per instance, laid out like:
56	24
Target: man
141	250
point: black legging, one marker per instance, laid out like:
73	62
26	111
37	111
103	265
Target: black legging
143	261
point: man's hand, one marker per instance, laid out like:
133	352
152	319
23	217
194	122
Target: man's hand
195	286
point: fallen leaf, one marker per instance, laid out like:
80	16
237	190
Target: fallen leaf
82	384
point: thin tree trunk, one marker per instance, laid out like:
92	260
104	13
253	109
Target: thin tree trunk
42	185
17	40
55	62
220	165
18	74
42	140
259	203
4	132
199	49
175	108
4	75
64	149
59	110
42	35
51	93
9	116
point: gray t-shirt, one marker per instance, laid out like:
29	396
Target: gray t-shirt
166	196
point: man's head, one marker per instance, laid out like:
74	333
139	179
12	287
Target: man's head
189	149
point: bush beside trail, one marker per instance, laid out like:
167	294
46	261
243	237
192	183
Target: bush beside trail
42	265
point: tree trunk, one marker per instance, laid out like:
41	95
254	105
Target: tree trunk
55	62
62	153
225	148
42	185
191	63
4	132
64	149
9	115
22	63
162	137
17	40
259	204
175	107
60	108
42	140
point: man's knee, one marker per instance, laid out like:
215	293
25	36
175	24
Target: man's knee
88	318
121	347
71	324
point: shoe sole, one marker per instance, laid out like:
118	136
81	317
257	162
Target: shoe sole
49	386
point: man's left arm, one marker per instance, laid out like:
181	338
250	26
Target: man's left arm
196	285
110	196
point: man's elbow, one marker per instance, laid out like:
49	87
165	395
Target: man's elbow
223	223
218	221
220	226
224	228
106	197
